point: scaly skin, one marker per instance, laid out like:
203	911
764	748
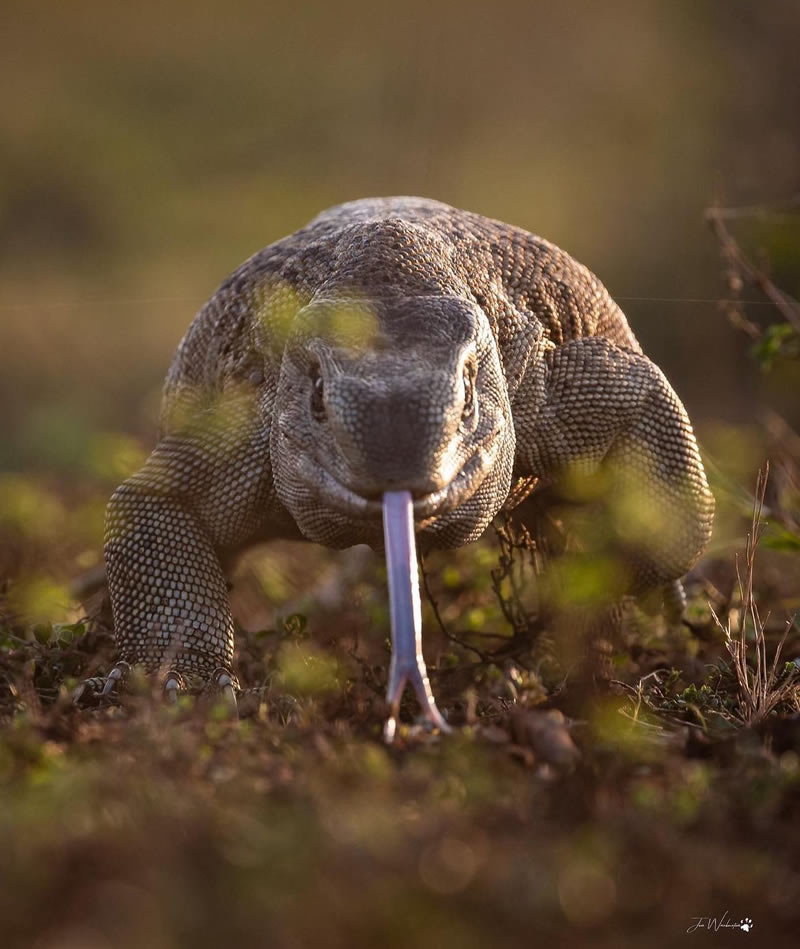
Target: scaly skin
392	344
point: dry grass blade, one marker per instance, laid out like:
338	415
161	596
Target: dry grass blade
765	687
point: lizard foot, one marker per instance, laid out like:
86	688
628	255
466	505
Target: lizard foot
97	688
222	683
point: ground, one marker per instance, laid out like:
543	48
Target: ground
624	823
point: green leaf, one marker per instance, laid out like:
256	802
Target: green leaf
294	626
65	633
779	339
43	632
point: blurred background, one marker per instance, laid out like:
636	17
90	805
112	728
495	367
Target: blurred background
146	149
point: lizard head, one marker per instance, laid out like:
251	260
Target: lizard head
396	394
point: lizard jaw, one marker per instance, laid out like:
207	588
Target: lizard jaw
330	492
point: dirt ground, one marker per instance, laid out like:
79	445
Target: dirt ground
646	810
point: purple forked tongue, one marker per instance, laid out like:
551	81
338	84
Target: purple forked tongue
407	664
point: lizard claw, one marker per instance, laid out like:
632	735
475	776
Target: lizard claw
408	664
225	684
116	678
173	684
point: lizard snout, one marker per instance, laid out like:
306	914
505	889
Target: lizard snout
403	437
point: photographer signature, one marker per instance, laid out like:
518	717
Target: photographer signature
714	924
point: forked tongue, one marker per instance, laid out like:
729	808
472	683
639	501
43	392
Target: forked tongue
407	663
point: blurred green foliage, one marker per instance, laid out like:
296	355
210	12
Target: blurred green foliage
779	340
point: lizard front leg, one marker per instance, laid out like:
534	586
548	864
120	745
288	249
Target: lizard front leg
604	425
168	591
205	489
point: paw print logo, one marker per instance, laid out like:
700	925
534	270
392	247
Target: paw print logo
746	924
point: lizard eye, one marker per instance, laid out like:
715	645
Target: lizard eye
469	391
317	392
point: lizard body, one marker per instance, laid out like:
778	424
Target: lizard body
392	344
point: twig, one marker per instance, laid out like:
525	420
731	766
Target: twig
759	689
508	568
483	656
787	206
786	304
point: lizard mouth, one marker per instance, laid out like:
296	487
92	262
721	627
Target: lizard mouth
331	493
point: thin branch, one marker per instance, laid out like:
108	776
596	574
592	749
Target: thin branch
483	656
789	205
760	689
786	304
